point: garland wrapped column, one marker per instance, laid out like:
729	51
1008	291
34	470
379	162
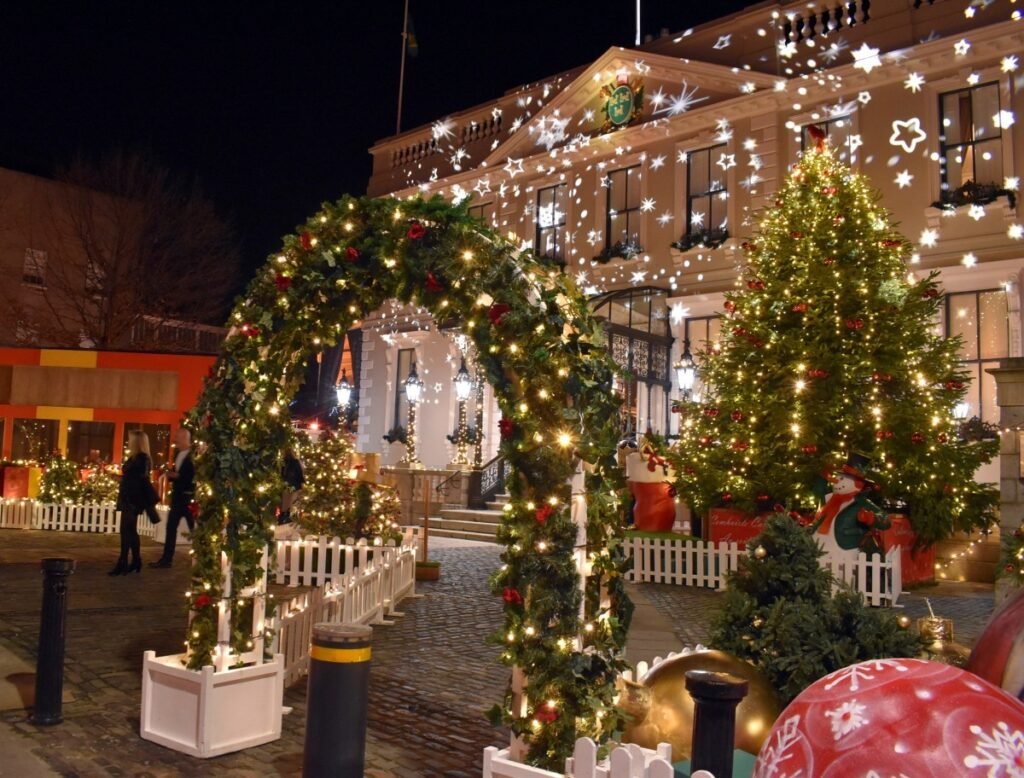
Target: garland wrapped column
541	350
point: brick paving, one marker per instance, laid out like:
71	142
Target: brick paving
432	677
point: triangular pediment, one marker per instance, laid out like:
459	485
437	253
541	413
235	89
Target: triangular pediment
593	104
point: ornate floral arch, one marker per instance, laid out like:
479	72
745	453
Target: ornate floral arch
541	350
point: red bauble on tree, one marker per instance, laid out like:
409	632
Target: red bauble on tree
416	231
433	285
497	312
543	513
306	241
512	596
282	282
737	416
506	427
352	254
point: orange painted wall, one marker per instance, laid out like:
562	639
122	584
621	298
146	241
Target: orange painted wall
191	370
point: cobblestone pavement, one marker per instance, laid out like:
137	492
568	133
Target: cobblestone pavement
432	676
691	610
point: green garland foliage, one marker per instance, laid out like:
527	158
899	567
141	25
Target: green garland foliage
828	349
780	614
541	350
1012	561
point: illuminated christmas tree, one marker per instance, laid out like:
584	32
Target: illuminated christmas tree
61	481
830	347
334	503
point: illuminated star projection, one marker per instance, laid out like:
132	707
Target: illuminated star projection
568	148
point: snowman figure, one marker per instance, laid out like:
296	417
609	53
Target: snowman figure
847	515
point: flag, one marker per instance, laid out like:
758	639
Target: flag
412	45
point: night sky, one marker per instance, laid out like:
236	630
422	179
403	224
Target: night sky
273	105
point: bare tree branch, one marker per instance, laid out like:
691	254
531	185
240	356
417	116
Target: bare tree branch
125	240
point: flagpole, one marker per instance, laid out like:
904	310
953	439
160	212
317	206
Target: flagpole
401	71
637	21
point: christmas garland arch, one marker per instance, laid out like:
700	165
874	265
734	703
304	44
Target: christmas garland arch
541	350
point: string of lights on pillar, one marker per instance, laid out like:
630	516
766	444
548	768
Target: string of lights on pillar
413	393
478	446
463	390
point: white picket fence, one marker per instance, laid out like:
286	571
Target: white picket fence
879	579
63	517
365	589
104	519
627	761
679	562
700	563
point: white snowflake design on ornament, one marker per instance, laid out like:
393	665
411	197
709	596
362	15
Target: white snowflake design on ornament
1002	752
876	774
846	718
855	673
770	762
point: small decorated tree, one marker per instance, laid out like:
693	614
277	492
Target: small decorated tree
99	487
334	503
780	614
830	348
61	481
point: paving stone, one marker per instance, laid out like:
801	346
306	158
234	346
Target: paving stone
433	673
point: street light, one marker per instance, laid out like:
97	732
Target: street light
686	371
463	389
344	390
961	410
413	393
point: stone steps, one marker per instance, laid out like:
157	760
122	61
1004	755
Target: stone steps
467	524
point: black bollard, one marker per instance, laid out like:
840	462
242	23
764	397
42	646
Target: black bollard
715	697
52	623
339	682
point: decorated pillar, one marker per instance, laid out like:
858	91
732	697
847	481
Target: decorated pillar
1010	397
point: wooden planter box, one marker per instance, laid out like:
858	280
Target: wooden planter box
203	713
431	571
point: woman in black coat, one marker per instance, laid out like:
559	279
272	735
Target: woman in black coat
134	496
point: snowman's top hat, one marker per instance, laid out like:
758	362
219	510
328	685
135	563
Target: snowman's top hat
855	466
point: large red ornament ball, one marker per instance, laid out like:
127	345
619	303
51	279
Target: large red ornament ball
891	717
998	656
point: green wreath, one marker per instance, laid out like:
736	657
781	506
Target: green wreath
541	350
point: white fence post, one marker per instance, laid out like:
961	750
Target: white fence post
699	563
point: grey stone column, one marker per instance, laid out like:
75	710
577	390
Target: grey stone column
1010	397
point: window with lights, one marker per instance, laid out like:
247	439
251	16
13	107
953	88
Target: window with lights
550	222
622	213
707	199
839	133
971	146
981	320
486	213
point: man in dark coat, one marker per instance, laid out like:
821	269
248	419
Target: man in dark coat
183	490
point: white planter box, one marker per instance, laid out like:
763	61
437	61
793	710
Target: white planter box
203	713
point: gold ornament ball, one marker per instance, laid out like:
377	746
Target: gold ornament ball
661	710
904	621
760	552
